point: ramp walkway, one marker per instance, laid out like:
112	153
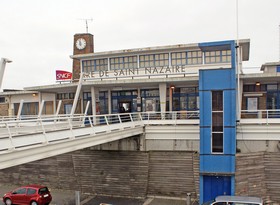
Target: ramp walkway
31	138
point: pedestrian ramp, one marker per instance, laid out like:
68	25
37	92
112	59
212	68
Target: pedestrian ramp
27	140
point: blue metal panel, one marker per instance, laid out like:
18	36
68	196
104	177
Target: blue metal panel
205	108
220	79
215	186
229	140
278	69
217	164
229	108
217	44
205	140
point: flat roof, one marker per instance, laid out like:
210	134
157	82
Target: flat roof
244	43
270	64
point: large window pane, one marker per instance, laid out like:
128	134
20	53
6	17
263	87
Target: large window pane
217	101
217	122
217	142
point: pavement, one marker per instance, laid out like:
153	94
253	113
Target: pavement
102	200
62	197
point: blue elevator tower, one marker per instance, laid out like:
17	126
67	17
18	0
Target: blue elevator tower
217	93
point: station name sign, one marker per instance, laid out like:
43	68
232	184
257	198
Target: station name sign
131	72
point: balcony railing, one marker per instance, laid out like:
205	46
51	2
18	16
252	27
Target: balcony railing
260	116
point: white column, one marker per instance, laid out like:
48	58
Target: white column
109	102
162	96
170	99
93	99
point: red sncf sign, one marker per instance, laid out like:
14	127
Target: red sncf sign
63	75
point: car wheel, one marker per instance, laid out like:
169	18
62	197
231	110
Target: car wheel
34	203
8	202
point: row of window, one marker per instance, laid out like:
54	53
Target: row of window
158	60
65	96
261	87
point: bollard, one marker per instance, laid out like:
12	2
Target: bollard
77	197
188	202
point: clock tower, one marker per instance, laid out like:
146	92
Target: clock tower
83	44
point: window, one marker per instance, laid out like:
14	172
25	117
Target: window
95	65
65	96
31	191
217	122
150	100
223	56
87	97
252	104
43	190
154	60
194	57
123	62
186	58
100	64
185	98
254	88
20	191
2	99
28	108
178	58
88	66
272	87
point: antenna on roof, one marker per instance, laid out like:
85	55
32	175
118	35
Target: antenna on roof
86	21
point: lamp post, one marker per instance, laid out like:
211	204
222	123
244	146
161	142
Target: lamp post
2	70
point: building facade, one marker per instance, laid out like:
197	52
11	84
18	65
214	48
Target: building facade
202	82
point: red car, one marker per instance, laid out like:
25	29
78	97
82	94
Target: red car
28	195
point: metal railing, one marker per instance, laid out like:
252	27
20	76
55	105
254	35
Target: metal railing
260	114
31	130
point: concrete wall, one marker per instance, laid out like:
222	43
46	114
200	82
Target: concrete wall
138	174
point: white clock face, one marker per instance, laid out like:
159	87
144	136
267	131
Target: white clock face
81	43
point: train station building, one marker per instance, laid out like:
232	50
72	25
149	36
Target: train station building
230	114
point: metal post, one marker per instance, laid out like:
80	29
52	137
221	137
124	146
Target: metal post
77	94
58	108
188	201
41	109
77	197
2	70
20	109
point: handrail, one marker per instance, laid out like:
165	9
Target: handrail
31	130
260	116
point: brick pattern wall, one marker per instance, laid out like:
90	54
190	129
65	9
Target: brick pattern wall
138	174
118	173
4	109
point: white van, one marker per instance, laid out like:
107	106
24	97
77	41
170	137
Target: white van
235	200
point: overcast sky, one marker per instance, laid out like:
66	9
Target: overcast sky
37	35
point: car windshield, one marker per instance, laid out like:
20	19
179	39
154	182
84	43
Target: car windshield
43	190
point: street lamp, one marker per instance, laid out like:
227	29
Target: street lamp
2	69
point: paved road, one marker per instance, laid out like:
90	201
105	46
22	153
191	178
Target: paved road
125	201
59	197
114	201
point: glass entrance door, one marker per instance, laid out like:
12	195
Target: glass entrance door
124	99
